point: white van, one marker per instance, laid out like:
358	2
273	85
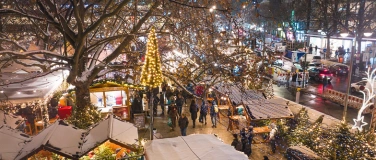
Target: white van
312	59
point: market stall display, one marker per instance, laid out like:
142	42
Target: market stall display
112	97
301	152
196	146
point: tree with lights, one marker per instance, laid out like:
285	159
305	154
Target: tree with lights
151	75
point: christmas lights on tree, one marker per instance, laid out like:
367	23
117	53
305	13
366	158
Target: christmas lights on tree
151	75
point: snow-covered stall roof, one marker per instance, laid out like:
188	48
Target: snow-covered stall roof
70	142
260	107
11	141
9	119
197	146
59	138
119	132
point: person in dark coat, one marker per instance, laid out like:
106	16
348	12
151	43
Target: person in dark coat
243	138
193	109
162	102
235	142
250	136
30	116
173	114
155	104
203	112
136	106
183	124
179	103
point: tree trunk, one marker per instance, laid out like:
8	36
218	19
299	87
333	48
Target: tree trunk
82	95
328	53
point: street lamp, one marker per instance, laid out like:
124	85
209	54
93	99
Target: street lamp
345	34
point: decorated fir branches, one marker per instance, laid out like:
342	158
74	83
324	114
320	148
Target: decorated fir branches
151	75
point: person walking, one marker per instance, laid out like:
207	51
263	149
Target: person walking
213	114
193	109
172	113
325	83
316	49
243	139
272	139
250	136
183	124
203	112
179	103
162	102
235	143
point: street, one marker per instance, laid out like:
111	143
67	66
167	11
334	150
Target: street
338	83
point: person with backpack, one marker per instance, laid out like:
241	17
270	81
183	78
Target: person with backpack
213	114
193	109
203	112
179	103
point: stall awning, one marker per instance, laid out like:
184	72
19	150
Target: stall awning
192	147
260	107
12	142
9	119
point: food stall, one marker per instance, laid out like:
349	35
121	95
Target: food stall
113	97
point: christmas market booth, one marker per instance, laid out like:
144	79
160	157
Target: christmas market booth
249	107
195	146
61	140
112	96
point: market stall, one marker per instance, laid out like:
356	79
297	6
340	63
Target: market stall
248	106
196	146
112	97
68	141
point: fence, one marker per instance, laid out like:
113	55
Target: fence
339	97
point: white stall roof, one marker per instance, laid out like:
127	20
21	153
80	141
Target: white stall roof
260	107
12	141
59	138
192	147
67	140
9	119
110	129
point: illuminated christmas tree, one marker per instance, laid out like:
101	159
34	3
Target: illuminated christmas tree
151	75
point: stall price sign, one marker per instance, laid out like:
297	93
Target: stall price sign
139	120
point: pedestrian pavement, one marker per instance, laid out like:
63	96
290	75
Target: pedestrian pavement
259	149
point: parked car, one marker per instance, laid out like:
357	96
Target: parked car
316	59
339	69
318	74
278	62
314	65
358	86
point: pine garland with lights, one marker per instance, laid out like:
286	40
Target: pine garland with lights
269	92
151	74
84	117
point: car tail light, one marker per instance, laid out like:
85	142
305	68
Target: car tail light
322	75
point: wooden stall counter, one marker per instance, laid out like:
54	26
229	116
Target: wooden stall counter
261	130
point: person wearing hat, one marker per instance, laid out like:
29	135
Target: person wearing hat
272	138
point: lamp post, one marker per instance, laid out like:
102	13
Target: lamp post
345	34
